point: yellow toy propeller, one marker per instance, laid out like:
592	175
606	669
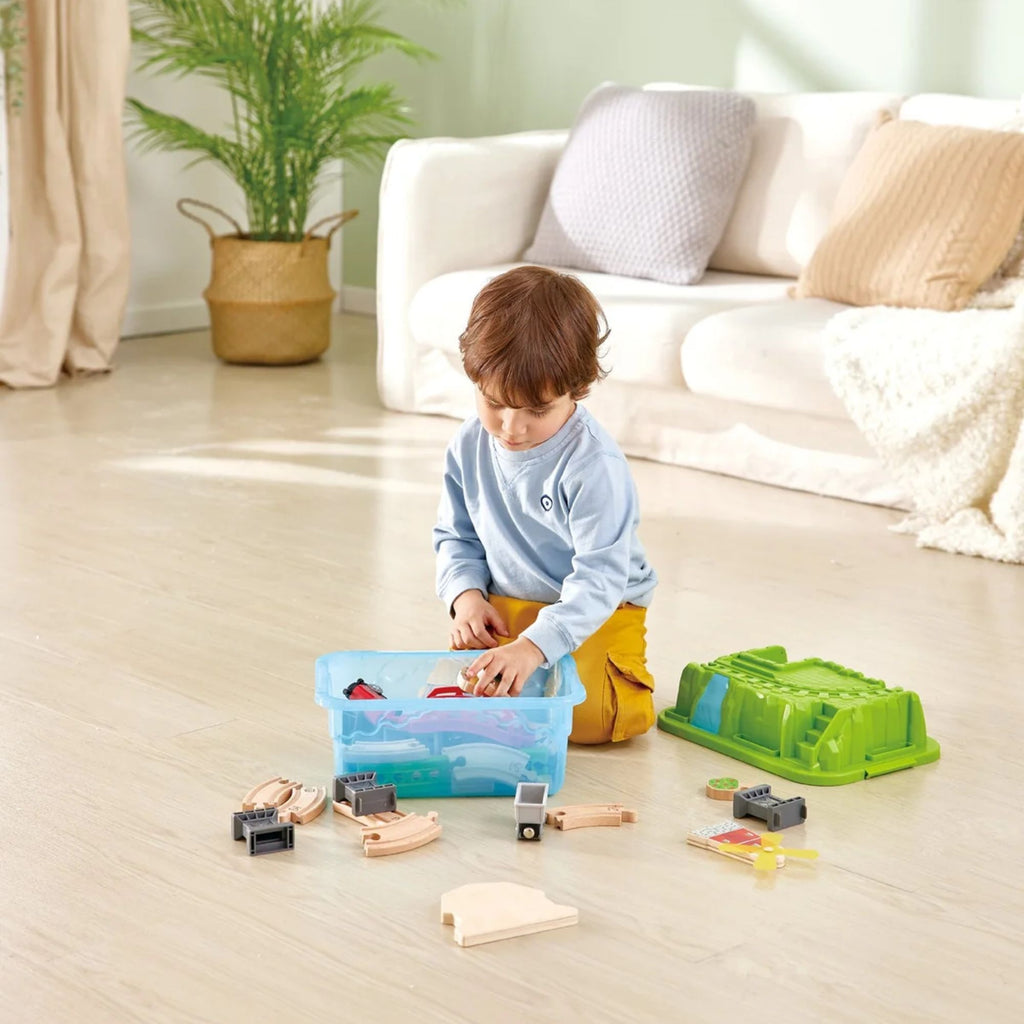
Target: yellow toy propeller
771	848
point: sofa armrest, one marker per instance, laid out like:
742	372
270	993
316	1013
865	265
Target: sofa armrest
450	204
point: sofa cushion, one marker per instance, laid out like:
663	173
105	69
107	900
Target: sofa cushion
1004	287
648	319
803	146
673	425
925	215
766	355
645	183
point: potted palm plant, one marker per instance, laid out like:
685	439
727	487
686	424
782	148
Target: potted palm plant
288	67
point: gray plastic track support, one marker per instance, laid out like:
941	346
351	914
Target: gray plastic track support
239	818
776	812
268	836
360	790
341	781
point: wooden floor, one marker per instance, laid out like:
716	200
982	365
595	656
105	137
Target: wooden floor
181	539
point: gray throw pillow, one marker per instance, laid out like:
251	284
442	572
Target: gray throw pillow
646	182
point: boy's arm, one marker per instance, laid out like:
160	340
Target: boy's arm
602	512
461	561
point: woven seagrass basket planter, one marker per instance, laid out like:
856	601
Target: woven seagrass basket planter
270	302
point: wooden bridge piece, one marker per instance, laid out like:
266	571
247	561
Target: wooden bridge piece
489	911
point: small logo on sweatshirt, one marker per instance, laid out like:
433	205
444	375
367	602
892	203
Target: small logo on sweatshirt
546	503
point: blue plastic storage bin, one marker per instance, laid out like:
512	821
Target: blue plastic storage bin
446	746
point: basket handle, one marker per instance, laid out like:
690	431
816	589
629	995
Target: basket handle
341	218
199	220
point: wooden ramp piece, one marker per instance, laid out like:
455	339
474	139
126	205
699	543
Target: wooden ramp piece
585	815
489	911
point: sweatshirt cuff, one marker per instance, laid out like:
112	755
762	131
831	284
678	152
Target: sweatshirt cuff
451	587
553	643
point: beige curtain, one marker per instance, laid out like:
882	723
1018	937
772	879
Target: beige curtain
68	265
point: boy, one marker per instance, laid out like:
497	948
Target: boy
536	535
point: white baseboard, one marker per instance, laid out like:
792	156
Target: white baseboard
166	318
192	315
359	300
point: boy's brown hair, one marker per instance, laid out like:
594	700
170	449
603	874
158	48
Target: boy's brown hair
533	335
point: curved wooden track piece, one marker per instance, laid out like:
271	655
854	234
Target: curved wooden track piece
271	793
400	836
589	815
303	805
487	761
392	831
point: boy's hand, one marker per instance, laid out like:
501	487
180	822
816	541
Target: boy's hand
475	620
504	671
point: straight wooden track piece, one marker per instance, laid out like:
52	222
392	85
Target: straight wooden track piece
490	911
303	805
271	793
589	815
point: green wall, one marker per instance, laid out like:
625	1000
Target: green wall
510	65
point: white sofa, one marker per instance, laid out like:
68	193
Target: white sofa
725	375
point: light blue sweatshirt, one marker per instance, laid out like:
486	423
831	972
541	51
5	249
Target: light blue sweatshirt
556	523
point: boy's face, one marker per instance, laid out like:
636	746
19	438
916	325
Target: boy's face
518	430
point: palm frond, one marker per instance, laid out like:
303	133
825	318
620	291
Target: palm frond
155	130
288	68
361	125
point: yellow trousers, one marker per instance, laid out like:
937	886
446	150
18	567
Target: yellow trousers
613	669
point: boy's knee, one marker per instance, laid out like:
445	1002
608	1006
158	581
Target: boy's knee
619	703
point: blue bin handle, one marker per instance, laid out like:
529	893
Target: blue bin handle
574	689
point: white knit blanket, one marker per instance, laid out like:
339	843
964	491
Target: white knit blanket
940	397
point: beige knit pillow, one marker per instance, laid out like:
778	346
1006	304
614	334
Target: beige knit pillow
924	215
